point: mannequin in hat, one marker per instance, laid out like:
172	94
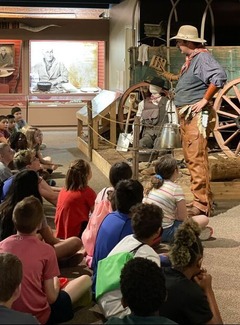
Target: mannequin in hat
200	78
155	111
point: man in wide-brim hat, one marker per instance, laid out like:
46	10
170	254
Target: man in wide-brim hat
200	78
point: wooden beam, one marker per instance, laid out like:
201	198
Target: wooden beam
221	191
83	146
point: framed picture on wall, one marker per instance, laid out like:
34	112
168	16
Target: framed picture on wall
6	55
63	66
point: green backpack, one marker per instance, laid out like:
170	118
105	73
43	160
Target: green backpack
109	271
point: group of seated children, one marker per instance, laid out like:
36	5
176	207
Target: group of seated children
11	123
180	294
40	293
122	216
15	131
123	222
133	228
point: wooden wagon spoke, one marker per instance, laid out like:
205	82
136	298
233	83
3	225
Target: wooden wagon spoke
231	137
130	119
230	102
140	89
226	126
237	92
238	149
143	92
134	110
227	114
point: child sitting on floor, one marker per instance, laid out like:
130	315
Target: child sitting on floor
75	201
146	220
164	192
190	298
34	138
143	292
18	141
26	183
19	120
11	124
4	134
103	206
41	294
10	287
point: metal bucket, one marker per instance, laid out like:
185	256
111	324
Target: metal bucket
170	136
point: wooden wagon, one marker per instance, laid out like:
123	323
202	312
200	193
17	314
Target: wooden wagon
227	101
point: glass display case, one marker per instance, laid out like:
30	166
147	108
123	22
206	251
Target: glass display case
56	110
63	66
7	103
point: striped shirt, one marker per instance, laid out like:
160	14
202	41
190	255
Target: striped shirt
166	197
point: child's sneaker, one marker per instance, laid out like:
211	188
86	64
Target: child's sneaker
206	233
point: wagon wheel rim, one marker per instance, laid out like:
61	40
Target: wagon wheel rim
227	127
122	104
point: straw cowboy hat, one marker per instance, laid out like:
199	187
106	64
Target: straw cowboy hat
188	33
5	73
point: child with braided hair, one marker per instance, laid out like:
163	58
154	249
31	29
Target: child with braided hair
163	191
190	299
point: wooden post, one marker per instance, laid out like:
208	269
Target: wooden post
113	125
90	129
136	132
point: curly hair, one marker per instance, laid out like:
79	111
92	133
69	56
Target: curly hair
143	286
187	247
77	175
146	220
164	169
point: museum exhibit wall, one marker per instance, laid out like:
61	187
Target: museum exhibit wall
123	30
19	82
128	18
120	40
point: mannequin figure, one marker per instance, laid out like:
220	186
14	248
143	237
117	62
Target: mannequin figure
155	111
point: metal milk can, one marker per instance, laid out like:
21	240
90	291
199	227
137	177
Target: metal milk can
170	136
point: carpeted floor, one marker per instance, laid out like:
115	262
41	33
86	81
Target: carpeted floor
221	254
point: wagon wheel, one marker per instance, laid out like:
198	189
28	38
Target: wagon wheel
227	128
141	90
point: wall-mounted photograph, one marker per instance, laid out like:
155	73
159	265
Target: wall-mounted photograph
6	55
63	66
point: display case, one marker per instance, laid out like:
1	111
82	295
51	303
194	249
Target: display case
7	103
56	110
102	111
